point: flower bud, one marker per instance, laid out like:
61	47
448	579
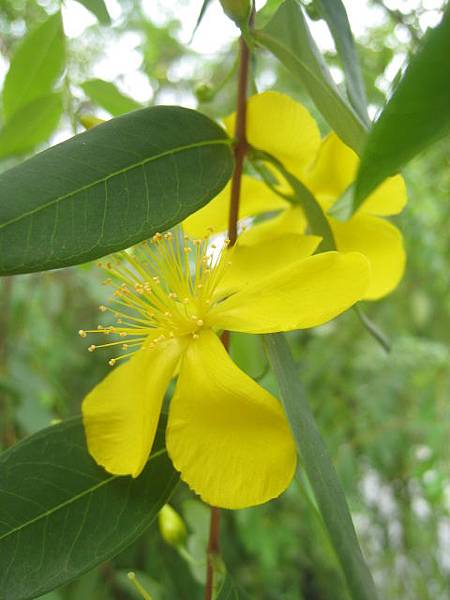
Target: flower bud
238	11
171	526
204	92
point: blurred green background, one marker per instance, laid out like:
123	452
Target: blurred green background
385	417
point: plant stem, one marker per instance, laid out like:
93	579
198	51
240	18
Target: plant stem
240	150
241	146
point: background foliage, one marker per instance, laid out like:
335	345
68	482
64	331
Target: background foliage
384	417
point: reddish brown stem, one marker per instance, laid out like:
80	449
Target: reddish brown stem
240	151
241	146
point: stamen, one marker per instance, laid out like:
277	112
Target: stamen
164	289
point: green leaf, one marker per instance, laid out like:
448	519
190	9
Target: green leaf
301	195
61	514
417	114
320	470
35	66
31	125
201	14
98	9
110	187
106	95
335	15
287	36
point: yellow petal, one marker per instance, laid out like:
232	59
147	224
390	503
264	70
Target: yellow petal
381	243
255	198
282	127
306	293
121	413
291	220
333	170
250	263
227	436
388	199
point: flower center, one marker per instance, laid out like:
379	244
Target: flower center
163	288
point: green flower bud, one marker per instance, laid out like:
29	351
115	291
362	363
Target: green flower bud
171	526
238	11
204	92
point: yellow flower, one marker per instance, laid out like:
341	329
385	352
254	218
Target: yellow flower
284	128
228	437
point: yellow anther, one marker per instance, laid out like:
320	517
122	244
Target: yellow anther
185	300
112	362
82	333
102	308
187	249
172	295
123	334
195	336
125	346
200	323
91	348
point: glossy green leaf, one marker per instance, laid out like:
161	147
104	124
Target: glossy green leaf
106	95
35	67
318	465
97	8
61	514
335	15
288	37
110	187
31	125
417	114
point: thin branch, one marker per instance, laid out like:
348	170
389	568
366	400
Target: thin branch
240	151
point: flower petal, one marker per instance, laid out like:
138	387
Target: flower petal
256	198
227	436
333	171
250	263
304	294
121	413
381	243
282	127
291	220
389	198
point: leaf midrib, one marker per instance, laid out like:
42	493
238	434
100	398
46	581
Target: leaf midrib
114	174
71	500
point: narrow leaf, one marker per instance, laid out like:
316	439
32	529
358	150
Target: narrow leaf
301	195
36	65
98	9
110	187
61	514
335	15
417	114
288	37
201	14
320	470
106	95
31	125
